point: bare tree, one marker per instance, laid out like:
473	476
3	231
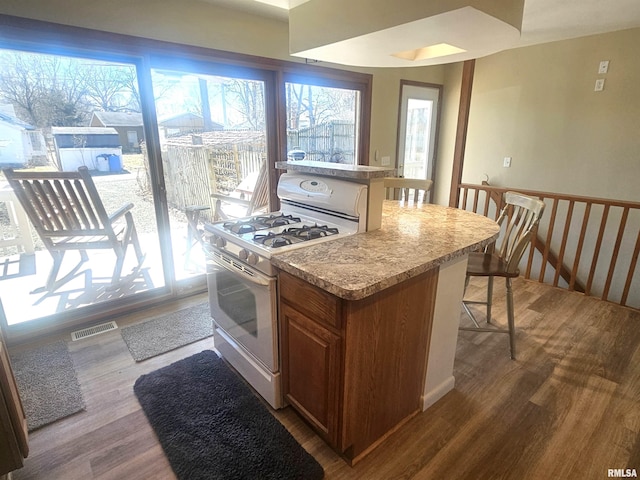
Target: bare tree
112	88
20	84
52	90
246	97
317	104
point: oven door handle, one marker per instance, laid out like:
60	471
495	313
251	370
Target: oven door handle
255	277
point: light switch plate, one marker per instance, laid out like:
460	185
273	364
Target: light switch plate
507	162
604	66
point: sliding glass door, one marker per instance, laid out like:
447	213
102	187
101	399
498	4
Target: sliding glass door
213	143
59	113
185	134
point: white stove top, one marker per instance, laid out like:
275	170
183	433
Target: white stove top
265	240
314	209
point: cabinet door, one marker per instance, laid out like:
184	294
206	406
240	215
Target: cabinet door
13	425
311	358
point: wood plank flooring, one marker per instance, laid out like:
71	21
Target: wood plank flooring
567	408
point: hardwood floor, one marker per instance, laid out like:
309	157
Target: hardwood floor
567	408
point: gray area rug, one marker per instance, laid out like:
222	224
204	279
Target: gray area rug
47	383
213	427
162	334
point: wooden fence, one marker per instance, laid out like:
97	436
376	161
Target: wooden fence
584	244
332	141
194	171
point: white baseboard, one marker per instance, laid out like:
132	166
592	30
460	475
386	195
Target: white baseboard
435	394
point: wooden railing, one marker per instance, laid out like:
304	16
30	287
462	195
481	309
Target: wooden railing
584	244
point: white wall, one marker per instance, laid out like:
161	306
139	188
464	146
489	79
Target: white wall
538	106
11	148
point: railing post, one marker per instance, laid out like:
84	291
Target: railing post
461	131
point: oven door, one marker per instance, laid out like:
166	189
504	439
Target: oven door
243	304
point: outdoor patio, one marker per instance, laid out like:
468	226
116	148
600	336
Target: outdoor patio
22	273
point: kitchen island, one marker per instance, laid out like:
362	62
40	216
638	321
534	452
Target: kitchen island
369	322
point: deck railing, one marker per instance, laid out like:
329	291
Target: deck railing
585	244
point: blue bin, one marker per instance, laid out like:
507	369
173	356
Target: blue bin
115	164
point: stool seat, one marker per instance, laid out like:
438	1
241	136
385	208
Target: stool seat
488	265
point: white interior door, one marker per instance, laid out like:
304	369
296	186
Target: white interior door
418	127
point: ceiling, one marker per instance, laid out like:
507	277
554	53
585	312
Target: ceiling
543	21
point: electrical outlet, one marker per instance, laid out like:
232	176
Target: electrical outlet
385	161
599	85
604	66
507	162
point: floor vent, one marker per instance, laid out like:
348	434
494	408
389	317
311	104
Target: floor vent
91	331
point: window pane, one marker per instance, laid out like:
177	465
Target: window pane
321	123
416	147
213	142
59	113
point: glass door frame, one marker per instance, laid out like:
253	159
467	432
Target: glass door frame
405	85
199	67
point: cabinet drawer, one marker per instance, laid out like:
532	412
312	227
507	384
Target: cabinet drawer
312	301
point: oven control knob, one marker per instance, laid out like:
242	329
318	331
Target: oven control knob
219	242
252	258
243	254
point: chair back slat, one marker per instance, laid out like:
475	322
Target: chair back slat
65	205
72	207
33	207
260	195
58	203
522	214
88	208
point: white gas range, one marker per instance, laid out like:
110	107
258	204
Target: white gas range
242	282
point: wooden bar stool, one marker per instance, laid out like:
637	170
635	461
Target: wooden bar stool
399	188
521	214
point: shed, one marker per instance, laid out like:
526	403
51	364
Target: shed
86	146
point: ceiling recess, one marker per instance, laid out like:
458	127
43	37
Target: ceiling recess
403	33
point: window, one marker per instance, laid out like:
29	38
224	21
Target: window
418	127
132	139
78	102
322	123
170	94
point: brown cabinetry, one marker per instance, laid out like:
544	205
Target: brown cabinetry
313	364
13	424
355	369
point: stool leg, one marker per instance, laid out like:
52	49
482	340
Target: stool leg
510	319
489	298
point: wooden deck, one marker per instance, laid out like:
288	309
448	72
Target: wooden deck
567	408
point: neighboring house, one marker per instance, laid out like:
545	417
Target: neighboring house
20	143
128	125
184	123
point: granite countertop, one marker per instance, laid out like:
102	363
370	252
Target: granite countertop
362	172
412	240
